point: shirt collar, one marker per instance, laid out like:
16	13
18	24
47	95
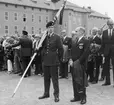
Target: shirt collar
64	37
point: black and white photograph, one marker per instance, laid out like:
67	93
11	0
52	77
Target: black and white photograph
56	52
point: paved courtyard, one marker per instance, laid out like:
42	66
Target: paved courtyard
31	88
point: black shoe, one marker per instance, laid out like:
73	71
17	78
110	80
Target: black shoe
66	77
94	82
61	77
25	76
75	99
56	99
101	79
20	74
105	84
44	96
16	72
83	101
90	80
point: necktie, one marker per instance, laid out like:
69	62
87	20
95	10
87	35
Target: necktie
48	36
75	40
110	33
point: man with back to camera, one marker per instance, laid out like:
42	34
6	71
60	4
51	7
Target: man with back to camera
25	52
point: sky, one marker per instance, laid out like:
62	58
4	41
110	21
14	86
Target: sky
102	6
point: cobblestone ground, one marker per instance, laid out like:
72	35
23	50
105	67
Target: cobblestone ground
31	88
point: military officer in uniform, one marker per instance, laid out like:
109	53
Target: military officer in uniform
79	54
52	53
25	52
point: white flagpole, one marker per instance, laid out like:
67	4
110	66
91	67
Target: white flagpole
39	45
24	74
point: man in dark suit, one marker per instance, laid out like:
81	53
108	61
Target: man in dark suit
65	58
25	52
91	58
98	58
108	50
79	54
52	53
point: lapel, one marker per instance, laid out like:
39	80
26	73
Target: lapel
80	41
112	32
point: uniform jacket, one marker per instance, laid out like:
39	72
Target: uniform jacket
80	50
107	43
26	46
52	50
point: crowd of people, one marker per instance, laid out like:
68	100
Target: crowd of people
82	55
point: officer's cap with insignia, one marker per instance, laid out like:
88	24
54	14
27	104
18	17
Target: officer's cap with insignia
25	32
49	24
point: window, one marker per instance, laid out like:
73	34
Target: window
24	7
69	14
65	25
32	30
6	29
6	15
32	18
24	17
32	8
46	10
40	9
39	18
46	19
6	5
24	28
15	16
15	6
39	30
16	29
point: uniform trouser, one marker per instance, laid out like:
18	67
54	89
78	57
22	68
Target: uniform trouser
77	88
25	62
64	69
51	72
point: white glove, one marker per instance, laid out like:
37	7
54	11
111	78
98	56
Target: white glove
71	62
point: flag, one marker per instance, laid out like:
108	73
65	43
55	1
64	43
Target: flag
59	15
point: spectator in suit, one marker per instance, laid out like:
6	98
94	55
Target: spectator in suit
91	58
108	51
52	53
65	58
98	58
25	52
